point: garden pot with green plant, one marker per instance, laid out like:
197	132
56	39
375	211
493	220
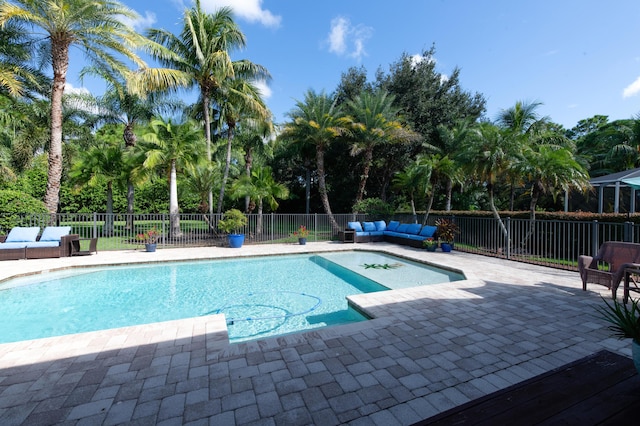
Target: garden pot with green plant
232	221
301	234
447	230
149	238
625	323
430	244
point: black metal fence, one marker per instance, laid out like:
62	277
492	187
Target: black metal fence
553	243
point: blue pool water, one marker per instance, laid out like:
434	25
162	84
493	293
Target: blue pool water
259	296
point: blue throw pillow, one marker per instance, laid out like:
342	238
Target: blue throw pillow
414	228
428	231
402	228
54	233
393	225
369	226
380	225
23	234
356	226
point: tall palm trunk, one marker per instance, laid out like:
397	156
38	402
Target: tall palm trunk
60	61
248	163
130	140
322	187
108	220
227	165
207	136
174	210
368	159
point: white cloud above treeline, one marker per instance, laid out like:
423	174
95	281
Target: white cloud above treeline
249	10
347	39
632	89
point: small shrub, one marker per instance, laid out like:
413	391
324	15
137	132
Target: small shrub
13	205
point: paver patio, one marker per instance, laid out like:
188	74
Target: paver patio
428	349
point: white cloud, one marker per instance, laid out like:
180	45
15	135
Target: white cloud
69	90
251	10
346	39
264	88
141	22
632	89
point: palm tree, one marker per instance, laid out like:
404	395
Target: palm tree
254	141
103	163
372	122
451	139
261	186
97	28
317	121
17	78
412	180
238	100
172	147
201	56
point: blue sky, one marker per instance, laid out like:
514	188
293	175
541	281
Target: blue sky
577	57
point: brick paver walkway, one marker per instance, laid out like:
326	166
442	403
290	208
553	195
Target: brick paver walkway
428	349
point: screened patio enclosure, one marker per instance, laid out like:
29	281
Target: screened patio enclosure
626	179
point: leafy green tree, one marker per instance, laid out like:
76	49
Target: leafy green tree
373	121
14	204
260	186
172	147
317	121
94	26
104	163
413	181
201	54
17	77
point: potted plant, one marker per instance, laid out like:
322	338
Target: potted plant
447	231
231	223
625	323
149	238
301	234
430	244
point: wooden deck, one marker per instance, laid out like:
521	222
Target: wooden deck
603	388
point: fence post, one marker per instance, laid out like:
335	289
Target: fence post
95	225
627	236
508	226
315	227
595	240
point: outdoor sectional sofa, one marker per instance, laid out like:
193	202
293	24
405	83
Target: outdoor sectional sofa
24	243
409	234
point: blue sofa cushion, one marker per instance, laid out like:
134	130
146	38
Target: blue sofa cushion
19	245
395	234
369	226
428	231
414	229
393	225
415	237
376	233
54	233
356	226
380	225
402	228
23	234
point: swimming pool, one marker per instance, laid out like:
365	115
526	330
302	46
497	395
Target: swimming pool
259	296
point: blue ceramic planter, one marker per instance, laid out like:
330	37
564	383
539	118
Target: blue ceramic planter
236	240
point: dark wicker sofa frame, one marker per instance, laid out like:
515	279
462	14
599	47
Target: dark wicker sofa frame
62	250
617	255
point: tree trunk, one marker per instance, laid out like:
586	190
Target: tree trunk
322	187
60	62
227	165
174	210
130	140
259	222
207	136
368	159
248	162
108	220
429	204
449	190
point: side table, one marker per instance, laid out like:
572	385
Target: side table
347	236
629	272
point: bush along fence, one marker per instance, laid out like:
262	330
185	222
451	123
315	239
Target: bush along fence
550	242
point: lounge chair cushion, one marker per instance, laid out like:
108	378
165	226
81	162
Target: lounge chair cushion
356	226
369	226
428	231
23	234
40	244
54	233
18	245
414	228
393	225
381	225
